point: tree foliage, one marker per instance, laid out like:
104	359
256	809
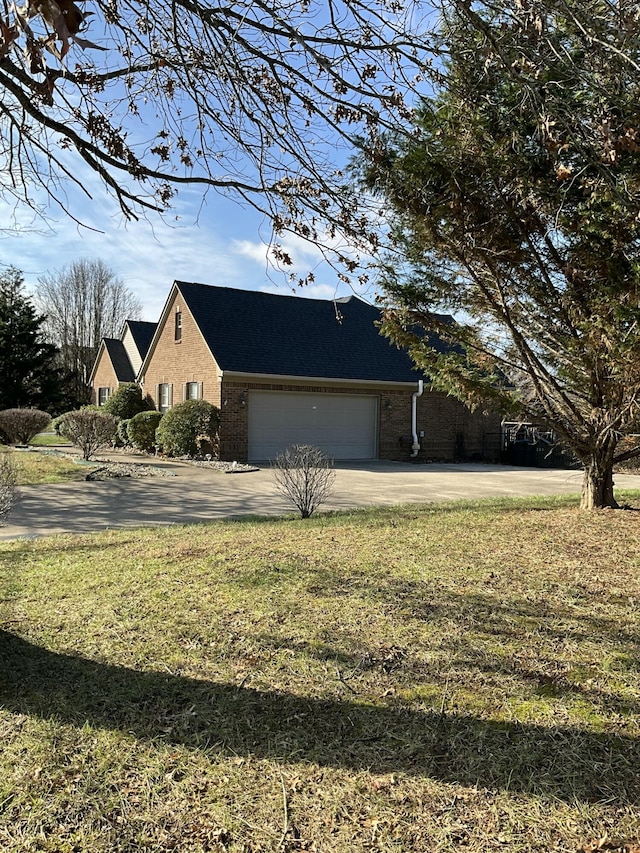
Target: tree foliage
83	303
516	205
253	98
28	373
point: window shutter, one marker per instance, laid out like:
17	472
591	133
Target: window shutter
171	395
158	400
185	386
200	390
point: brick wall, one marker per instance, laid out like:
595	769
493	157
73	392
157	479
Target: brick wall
452	432
104	376
178	362
234	421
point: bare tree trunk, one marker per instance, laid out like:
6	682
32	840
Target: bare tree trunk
597	484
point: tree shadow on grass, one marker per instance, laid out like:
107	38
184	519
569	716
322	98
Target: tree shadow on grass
560	763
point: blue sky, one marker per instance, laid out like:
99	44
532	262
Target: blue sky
214	241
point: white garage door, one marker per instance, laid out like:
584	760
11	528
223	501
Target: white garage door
343	426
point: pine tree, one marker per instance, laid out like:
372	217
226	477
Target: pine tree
515	207
28	374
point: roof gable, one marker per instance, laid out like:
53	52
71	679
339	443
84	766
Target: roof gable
119	359
265	333
142	333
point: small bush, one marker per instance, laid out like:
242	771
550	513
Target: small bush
141	430
189	428
7	487
19	426
89	429
55	424
305	475
126	402
122	438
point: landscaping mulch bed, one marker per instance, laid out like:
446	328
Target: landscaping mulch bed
223	467
113	470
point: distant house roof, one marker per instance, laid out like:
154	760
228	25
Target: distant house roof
119	359
142	333
265	333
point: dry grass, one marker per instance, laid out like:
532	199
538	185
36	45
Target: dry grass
433	679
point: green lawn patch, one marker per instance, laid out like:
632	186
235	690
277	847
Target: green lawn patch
405	679
49	439
39	468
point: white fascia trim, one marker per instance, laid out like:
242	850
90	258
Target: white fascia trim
287	380
101	349
158	331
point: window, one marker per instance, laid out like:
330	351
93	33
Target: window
178	329
165	397
192	391
103	395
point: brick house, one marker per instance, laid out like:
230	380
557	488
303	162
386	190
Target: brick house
119	359
286	369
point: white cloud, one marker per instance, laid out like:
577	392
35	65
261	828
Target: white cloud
194	245
301	251
309	291
255	251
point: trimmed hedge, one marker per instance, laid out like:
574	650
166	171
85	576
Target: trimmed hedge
188	429
89	430
141	430
126	401
55	423
19	426
123	439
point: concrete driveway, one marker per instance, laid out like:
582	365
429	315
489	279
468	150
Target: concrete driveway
198	495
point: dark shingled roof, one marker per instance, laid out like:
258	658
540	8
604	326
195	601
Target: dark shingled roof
119	360
142	333
251	332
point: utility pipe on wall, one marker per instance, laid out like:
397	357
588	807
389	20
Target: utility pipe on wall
415	447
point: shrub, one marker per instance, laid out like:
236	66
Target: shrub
126	402
189	428
122	437
55	423
141	430
89	429
7	487
305	475
19	426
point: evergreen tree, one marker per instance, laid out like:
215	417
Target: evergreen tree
28	375
515	204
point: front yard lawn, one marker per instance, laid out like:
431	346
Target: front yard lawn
49	439
35	468
442	678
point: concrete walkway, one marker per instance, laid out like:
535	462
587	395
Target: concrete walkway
198	495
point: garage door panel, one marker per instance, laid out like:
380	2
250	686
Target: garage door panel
344	426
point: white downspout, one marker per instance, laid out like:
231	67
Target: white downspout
415	447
